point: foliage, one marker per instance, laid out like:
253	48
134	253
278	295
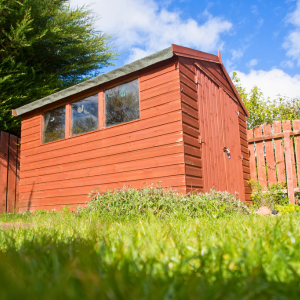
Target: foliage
45	46
164	203
92	256
268	196
287	209
263	110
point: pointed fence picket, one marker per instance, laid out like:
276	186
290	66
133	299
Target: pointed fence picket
275	154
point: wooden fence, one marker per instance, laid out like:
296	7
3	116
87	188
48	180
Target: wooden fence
9	172
275	154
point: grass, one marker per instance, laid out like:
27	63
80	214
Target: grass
94	255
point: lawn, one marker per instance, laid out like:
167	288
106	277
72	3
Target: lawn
92	255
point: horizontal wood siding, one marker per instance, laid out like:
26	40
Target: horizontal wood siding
190	119
147	150
245	153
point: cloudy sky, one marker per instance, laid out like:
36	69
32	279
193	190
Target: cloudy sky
259	39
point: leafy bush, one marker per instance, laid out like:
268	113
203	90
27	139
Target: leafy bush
287	209
270	196
164	203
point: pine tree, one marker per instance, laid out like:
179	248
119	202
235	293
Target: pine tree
46	46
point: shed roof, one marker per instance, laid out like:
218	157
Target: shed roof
135	66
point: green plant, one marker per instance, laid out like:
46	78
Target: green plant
46	46
263	110
90	256
164	203
287	209
268	196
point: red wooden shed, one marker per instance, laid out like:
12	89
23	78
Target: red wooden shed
174	117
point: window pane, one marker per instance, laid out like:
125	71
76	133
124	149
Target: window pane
122	103
84	115
54	124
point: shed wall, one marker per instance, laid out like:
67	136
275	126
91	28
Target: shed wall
190	118
147	150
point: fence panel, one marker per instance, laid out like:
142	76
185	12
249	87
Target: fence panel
275	154
9	172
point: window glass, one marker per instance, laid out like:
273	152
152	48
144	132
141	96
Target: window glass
54	124
84	115
122	103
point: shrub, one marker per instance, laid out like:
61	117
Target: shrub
164	203
270	196
287	209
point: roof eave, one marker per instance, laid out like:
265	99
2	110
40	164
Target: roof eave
101	79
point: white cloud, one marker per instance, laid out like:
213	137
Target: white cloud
292	41
271	82
236	55
287	64
254	9
252	63
143	27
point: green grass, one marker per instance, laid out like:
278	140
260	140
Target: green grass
93	255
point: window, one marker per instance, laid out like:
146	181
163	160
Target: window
122	103
84	115
54	124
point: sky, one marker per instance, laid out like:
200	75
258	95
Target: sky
258	39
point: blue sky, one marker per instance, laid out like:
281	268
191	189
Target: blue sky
258	39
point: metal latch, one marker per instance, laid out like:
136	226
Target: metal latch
227	151
200	140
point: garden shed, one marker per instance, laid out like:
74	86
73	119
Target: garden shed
173	117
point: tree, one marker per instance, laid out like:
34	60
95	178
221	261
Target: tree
263	110
46	46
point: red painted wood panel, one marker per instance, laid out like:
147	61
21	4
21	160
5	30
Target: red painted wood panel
12	171
232	138
126	152
9	172
82	171
18	176
296	126
253	174
289	165
161	99
270	156
157	71
189	110
73	202
159	80
260	158
191	121
150	149
221	140
188	91
4	140
161	109
189	101
97	159
280	162
95	140
187	72
286	126
86	185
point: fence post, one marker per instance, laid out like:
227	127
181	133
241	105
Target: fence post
289	167
4	138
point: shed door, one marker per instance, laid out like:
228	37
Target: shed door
219	129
